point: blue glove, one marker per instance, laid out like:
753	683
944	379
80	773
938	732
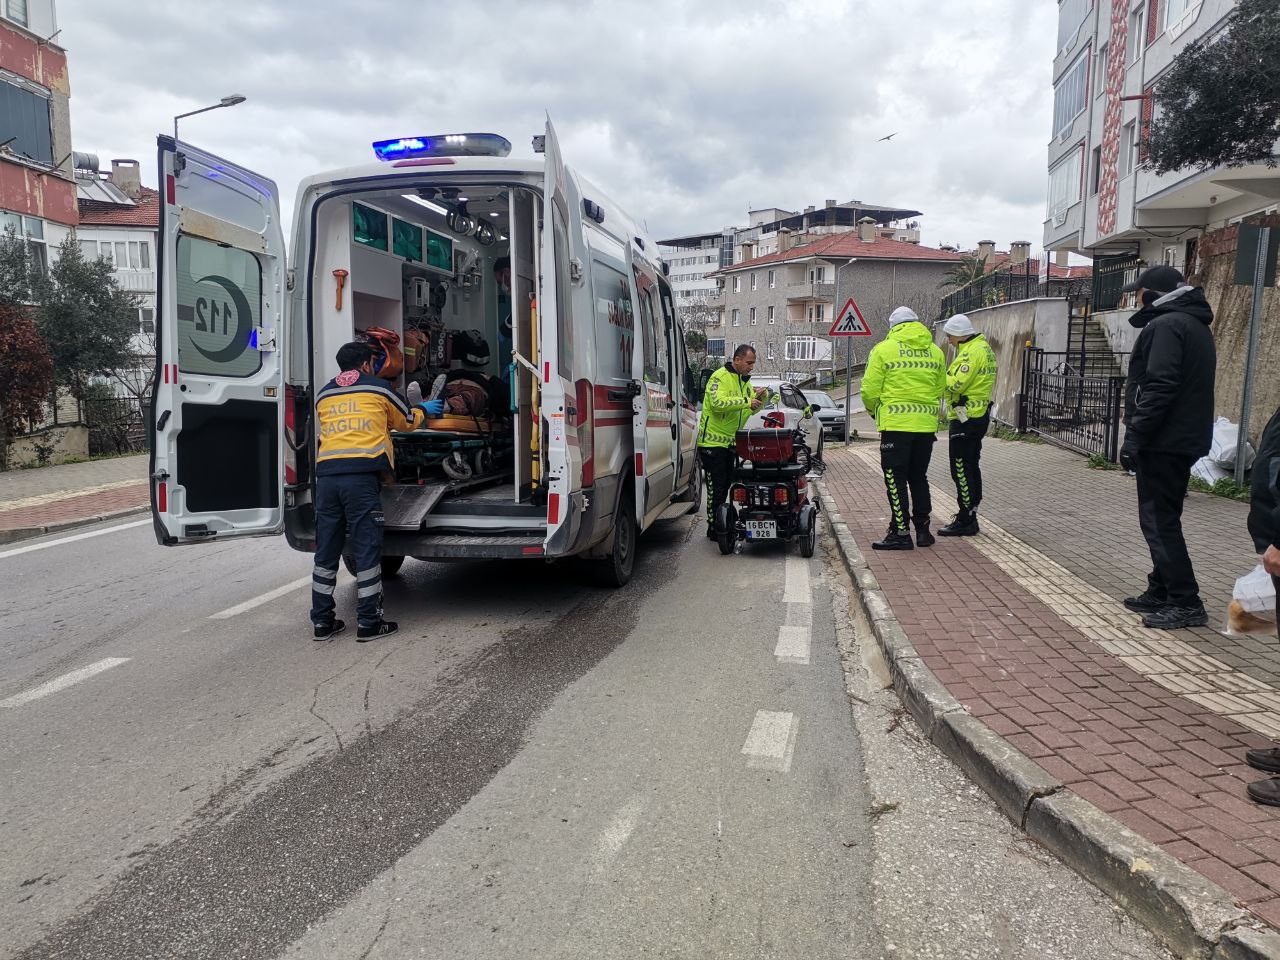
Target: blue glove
432	408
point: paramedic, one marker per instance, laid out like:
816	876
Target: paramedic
902	388
355	412
729	402
970	380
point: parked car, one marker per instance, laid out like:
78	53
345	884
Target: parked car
786	394
830	412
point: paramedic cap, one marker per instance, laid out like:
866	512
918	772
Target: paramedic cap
902	315
1162	279
959	326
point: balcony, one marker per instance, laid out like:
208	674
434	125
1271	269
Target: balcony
136	281
800	292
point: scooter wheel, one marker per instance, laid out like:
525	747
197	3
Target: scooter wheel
456	467
808	531
726	535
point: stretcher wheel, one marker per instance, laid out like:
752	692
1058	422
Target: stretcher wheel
456	467
482	460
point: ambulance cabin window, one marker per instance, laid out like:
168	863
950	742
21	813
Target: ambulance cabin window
655	367
615	322
219	300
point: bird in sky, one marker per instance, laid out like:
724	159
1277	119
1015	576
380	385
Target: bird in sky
889	137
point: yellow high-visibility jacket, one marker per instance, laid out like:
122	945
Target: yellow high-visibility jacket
355	416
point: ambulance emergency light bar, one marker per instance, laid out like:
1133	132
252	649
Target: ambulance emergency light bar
444	145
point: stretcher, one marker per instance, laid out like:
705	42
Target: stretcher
462	448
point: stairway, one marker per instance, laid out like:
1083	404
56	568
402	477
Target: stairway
1089	349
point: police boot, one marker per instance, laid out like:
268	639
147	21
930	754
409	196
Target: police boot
923	537
964	525
895	539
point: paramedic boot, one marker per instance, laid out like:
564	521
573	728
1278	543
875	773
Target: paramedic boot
923	537
383	628
964	525
895	539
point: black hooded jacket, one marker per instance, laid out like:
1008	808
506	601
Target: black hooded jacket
1264	505
1168	397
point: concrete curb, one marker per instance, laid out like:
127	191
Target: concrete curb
14	534
1195	917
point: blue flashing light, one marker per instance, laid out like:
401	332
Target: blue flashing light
446	145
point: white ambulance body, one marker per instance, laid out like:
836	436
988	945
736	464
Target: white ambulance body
605	419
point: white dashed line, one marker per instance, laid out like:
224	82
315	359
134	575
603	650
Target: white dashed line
259	601
795	636
61	683
78	536
618	832
772	741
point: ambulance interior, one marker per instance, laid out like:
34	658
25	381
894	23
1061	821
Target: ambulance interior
416	268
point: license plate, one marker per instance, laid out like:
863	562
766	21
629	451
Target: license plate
762	530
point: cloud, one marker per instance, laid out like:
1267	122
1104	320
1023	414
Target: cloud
688	114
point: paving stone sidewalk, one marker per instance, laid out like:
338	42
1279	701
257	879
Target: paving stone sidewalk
65	494
1024	626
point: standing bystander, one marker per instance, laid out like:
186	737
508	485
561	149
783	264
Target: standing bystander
1264	527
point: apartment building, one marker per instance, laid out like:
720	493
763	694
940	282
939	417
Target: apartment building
784	303
37	189
1110	55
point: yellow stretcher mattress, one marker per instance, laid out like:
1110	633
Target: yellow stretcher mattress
452	424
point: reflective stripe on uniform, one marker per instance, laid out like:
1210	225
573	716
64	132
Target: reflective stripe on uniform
369	591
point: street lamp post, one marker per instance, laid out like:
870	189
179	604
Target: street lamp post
230	101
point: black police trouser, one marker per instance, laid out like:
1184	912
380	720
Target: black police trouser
717	462
348	503
1162	491
904	458
965	450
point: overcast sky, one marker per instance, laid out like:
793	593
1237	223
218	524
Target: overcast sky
688	114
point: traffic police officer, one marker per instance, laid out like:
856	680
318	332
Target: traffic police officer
728	403
970	380
355	412
902	389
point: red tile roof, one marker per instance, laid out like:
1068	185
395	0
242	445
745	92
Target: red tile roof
845	245
999	260
144	213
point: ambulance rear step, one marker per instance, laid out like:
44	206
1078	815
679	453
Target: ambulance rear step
459	547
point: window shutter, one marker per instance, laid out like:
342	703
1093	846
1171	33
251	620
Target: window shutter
1153	21
1144	127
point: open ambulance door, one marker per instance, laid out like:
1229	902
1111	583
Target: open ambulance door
217	411
558	247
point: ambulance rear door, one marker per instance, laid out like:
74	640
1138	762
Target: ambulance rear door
218	416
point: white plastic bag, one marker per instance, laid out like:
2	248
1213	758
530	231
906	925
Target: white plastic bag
1256	592
1222	451
1209	471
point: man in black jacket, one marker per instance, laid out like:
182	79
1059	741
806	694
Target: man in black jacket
1264	527
1168	427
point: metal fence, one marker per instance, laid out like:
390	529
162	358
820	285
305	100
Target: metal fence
1109	275
1006	286
1073	408
116	425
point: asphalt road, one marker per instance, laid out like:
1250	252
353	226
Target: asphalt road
532	767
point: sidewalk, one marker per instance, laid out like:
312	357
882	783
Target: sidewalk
1023	625
46	499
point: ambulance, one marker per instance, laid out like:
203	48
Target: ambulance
599	444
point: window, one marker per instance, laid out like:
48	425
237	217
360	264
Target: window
1095	171
772	319
653	339
107	253
89	249
737	284
219	305
1135	38
753	281
737	317
1100	70
122	255
24	117
773	282
1070	16
145	249
32	228
819	312
16	10
768	351
817	274
715	347
1128	140
1064	186
1069	95
1174	11
146	320
802	348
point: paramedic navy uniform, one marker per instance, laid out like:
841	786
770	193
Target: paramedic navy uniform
355	414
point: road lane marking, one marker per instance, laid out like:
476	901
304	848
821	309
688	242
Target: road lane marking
616	835
772	741
259	601
78	536
795	636
62	682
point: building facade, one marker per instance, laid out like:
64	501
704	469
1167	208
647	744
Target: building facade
37	189
784	303
1110	55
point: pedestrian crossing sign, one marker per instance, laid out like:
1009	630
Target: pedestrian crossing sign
849	322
